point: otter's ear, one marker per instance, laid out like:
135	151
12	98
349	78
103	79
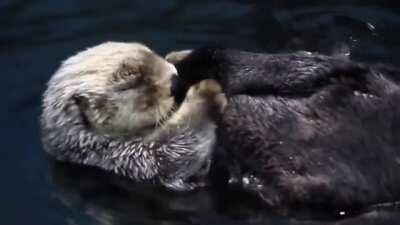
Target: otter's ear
82	105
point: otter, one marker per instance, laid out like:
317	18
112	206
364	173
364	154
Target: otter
304	130
111	107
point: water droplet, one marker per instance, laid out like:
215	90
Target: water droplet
353	39
371	26
341	50
305	52
232	180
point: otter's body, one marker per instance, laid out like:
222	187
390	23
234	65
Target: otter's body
305	130
111	107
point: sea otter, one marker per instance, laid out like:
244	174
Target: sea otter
303	129
110	107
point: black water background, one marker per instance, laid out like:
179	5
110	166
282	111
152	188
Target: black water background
35	36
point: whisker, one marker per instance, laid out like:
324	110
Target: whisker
155	111
160	116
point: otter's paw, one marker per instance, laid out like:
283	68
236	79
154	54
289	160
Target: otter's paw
209	91
177	56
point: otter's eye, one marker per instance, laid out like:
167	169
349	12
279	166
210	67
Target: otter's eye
126	74
127	81
130	74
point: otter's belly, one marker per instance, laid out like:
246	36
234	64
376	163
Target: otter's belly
337	148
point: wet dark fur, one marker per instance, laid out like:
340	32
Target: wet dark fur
305	130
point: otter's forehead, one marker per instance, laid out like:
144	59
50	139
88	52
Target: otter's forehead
109	66
112	51
93	66
102	59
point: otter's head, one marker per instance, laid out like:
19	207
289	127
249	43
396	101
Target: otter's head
120	88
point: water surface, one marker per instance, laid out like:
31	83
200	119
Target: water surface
35	36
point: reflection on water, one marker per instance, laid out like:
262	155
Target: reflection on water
113	200
109	200
36	35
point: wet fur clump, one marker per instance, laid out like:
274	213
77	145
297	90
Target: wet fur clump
111	107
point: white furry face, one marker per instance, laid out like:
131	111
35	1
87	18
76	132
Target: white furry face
121	88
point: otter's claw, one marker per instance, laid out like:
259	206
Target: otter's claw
210	91
176	56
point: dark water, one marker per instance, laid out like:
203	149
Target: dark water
36	35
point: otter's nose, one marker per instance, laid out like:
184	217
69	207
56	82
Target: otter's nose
178	90
174	85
